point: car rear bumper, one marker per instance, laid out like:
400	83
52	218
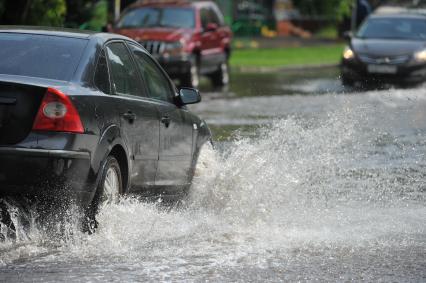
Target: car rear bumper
409	73
44	153
38	171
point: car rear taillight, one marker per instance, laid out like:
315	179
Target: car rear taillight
58	114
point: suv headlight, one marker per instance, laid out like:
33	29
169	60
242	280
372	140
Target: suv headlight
420	56
172	46
348	53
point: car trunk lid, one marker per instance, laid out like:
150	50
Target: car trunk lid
20	99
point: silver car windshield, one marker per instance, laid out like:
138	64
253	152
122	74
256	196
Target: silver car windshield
394	28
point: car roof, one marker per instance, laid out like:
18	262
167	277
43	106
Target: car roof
398	16
399	12
62	32
46	31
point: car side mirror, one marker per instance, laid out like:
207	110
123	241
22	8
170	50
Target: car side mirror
212	27
189	95
347	35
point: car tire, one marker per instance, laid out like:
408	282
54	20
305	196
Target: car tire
221	76
192	77
346	81
109	189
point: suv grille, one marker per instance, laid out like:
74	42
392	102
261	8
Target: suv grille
153	47
394	60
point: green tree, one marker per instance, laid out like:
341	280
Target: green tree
33	12
47	13
98	18
333	10
78	12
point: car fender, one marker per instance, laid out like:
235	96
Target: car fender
110	137
204	134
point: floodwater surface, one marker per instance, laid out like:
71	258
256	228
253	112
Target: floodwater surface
307	181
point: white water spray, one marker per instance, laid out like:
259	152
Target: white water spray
297	185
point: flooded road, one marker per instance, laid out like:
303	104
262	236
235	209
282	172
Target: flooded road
308	181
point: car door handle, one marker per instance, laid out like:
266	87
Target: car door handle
129	115
166	121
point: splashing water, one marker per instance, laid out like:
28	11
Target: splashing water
299	193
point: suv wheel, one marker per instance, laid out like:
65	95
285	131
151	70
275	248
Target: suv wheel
192	77
221	76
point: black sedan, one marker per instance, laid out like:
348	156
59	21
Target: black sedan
91	116
388	48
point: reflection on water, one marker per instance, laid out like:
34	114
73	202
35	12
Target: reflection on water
255	100
300	187
312	81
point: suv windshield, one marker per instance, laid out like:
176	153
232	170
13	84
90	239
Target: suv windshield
42	56
393	28
158	17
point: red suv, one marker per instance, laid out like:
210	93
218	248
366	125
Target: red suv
188	39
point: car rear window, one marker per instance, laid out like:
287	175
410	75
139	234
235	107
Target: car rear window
158	17
42	56
394	28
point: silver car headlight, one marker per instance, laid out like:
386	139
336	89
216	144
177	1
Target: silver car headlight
348	53
420	56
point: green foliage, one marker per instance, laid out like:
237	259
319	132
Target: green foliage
86	14
91	14
47	13
32	12
344	9
98	18
328	32
334	10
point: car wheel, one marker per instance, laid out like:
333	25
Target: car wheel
109	189
192	77
221	76
346	81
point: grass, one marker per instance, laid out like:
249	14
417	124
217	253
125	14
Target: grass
290	56
328	32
